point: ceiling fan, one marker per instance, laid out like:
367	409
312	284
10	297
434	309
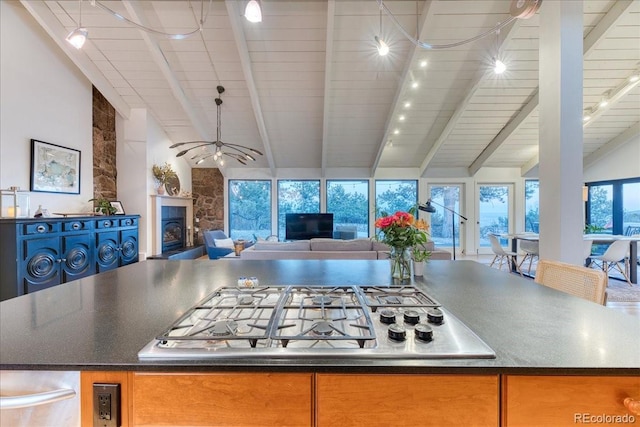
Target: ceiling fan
238	152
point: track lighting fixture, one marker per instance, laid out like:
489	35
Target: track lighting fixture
383	48
253	11
498	66
78	36
235	151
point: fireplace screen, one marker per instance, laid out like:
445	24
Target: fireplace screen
173	228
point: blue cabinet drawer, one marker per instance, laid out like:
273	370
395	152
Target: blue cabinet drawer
41	228
129	222
106	223
77	225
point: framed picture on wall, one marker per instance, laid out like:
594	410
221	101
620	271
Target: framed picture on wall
54	168
119	208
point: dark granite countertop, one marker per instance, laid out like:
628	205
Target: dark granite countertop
101	322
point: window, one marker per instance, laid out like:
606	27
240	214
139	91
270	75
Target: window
532	206
348	201
613	207
443	221
493	212
393	196
296	197
249	209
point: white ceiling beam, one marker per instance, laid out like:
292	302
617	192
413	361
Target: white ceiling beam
47	20
245	60
531	164
177	90
427	14
612	145
597	34
462	106
328	74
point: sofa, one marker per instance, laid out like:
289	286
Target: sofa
323	248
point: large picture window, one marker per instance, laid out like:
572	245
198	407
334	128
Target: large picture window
613	207
249	209
393	196
532	206
348	201
296	197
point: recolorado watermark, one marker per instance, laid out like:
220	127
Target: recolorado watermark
587	418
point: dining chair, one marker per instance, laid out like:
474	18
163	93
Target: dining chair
616	254
582	282
503	257
587	246
531	251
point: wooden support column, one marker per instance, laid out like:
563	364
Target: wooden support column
560	130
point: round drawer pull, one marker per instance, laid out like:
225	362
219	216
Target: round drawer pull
127	222
107	223
41	229
632	405
75	226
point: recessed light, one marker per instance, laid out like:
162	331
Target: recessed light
407	104
414	85
423	63
401	118
634	78
395	132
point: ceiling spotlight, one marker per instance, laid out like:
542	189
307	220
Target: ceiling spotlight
401	118
423	63
78	36
253	11
407	104
634	78
395	132
499	67
414	85
383	48
587	116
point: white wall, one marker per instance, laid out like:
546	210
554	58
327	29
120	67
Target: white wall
45	97
624	162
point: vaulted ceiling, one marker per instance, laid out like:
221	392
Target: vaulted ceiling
307	87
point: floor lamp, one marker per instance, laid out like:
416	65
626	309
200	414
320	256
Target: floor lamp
428	208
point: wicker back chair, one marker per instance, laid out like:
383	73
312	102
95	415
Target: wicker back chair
579	281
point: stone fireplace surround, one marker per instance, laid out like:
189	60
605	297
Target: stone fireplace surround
157	203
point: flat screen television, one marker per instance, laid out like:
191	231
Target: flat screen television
304	226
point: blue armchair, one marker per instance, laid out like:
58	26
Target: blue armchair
213	251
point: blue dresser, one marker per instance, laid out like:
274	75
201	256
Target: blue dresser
37	253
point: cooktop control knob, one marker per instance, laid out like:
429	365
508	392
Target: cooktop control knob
397	332
424	332
387	317
411	317
435	316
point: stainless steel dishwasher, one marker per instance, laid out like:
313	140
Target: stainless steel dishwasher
40	398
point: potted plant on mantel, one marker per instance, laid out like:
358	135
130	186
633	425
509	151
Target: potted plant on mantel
162	174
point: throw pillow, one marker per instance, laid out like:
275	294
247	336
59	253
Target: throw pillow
223	243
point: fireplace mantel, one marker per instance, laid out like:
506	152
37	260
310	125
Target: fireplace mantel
157	202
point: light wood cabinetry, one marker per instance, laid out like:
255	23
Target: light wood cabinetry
308	399
566	400
424	400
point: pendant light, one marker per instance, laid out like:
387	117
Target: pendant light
383	48
253	11
78	36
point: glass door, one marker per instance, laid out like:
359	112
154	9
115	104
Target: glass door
494	207
445	225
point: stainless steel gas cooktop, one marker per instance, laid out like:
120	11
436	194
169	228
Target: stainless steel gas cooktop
317	321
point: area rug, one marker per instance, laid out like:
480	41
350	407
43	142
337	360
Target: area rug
620	291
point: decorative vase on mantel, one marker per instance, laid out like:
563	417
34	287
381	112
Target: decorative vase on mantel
400	259
160	190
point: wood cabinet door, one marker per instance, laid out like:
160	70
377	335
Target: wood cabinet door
208	399
566	400
407	400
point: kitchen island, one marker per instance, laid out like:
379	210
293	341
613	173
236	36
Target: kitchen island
543	340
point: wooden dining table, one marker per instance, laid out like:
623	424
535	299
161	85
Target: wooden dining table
597	239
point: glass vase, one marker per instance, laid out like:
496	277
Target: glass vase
400	259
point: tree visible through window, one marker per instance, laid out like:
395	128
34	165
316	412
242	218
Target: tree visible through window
249	209
348	201
296	197
532	206
393	196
